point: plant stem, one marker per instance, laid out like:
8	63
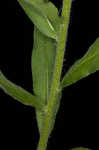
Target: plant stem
56	74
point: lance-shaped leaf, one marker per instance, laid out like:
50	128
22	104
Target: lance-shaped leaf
83	67
45	8
80	148
43	59
34	11
19	93
48	10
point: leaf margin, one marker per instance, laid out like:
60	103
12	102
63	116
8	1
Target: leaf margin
9	88
66	79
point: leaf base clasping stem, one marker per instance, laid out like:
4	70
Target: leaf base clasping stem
56	74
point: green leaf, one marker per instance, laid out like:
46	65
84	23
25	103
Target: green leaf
43	59
47	9
19	93
80	148
40	14
83	67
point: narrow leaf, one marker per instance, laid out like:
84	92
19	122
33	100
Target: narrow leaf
34	11
43	59
83	67
48	10
19	93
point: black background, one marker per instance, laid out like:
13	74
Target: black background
77	120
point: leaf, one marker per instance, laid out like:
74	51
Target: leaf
19	93
83	67
37	12
43	59
48	10
80	148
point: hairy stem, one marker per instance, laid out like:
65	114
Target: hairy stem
56	74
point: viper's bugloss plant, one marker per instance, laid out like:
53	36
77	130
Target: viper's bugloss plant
50	36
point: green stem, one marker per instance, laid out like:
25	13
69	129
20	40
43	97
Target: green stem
56	74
